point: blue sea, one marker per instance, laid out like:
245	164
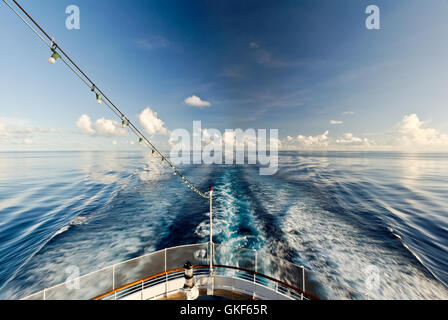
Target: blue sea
336	213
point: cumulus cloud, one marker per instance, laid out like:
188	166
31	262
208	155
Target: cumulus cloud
315	141
305	142
350	139
195	101
151	123
102	127
336	122
410	131
84	124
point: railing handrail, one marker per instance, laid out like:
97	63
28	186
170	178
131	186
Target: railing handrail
308	295
112	267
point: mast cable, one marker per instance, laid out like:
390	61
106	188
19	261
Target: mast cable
89	83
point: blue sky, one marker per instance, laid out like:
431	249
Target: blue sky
303	67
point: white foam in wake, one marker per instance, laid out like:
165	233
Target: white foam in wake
341	256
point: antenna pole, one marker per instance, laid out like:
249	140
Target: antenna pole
211	229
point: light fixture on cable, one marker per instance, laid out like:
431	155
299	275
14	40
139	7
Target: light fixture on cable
99	99
55	56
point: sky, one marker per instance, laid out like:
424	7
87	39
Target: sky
310	69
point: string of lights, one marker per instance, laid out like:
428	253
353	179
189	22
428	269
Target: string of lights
58	54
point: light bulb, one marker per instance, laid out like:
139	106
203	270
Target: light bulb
98	99
55	56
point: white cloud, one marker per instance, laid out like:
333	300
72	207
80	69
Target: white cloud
151	123
347	113
102	127
336	122
254	45
84	124
51	130
350	139
305	142
195	101
15	122
16	131
410	131
3	131
315	141
109	128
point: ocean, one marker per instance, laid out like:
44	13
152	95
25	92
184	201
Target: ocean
336	213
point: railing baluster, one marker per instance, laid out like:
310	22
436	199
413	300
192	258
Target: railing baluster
113	277
256	262
166	278
141	297
303	280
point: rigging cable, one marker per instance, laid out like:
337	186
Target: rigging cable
100	95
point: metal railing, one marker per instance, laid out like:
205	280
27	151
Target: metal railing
161	267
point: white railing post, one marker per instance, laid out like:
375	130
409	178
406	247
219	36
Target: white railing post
113	282
45	294
255	276
113	277
255	269
141	296
303	281
211	231
166	278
